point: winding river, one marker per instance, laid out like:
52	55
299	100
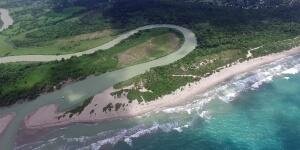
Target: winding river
189	45
74	93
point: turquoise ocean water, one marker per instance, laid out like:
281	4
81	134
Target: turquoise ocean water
255	110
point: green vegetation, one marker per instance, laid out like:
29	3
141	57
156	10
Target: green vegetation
277	46
110	106
1	23
80	108
160	81
59	46
40	30
225	32
153	48
26	81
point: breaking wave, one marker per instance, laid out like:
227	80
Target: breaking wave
225	92
229	90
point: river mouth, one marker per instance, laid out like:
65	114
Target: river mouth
241	104
74	93
152	130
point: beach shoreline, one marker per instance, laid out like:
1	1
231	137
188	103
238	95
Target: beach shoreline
48	116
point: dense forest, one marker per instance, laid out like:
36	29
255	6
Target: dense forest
225	30
38	24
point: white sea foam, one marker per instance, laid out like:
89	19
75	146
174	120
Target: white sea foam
127	135
186	126
178	129
145	131
189	108
290	71
29	145
39	147
205	115
227	95
79	139
228	91
128	141
112	140
173	110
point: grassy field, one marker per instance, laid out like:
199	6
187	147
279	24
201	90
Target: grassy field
151	49
38	29
21	81
58	46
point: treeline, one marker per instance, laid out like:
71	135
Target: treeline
73	17
59	5
149	11
255	3
39	22
20	82
160	81
220	30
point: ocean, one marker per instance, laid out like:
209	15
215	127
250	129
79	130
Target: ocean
255	110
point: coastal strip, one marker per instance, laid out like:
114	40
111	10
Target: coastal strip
5	121
104	106
6	19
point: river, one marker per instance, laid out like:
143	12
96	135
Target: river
74	93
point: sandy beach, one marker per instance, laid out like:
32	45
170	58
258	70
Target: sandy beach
5	121
48	116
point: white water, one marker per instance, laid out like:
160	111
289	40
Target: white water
225	92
